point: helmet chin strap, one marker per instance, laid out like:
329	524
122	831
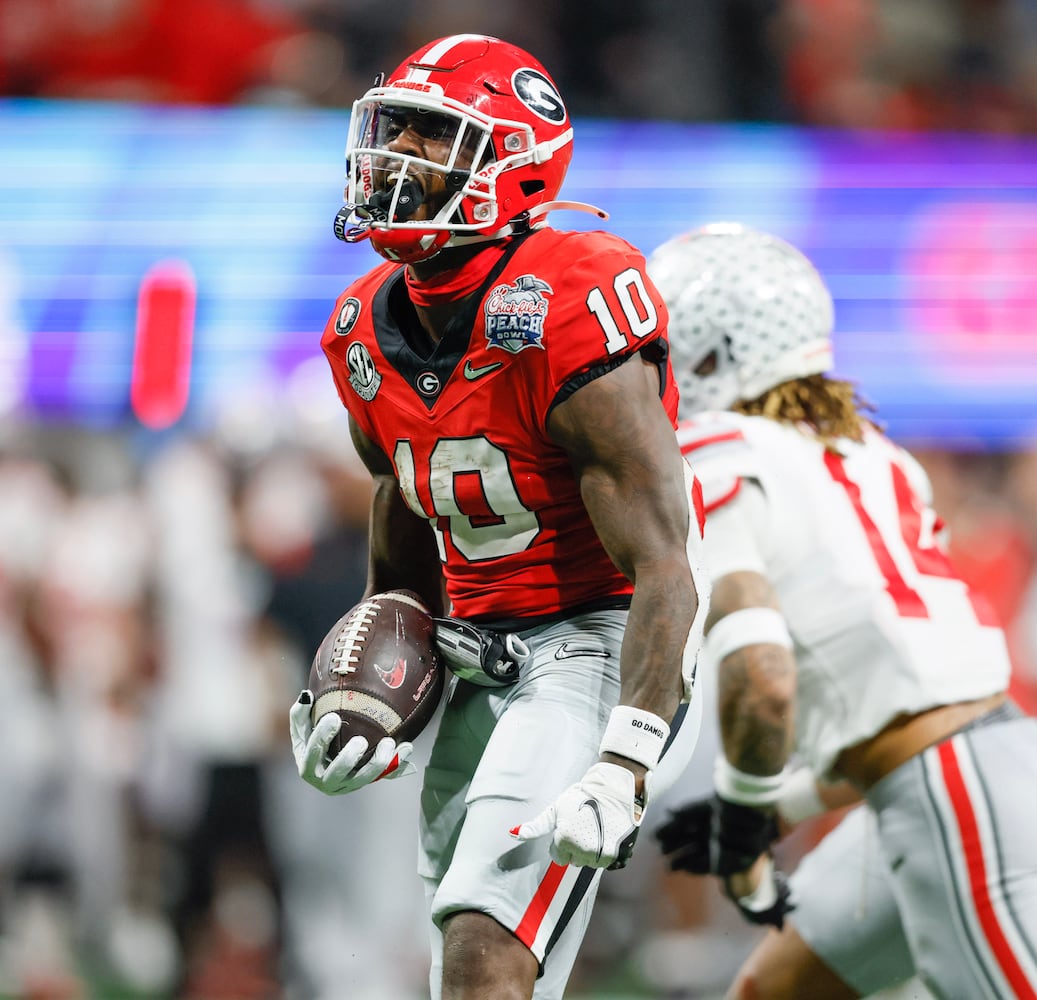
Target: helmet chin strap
575	206
410	201
346	230
523	223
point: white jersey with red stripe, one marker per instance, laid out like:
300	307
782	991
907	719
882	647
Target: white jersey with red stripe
882	625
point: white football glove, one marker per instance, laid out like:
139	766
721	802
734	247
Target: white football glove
310	747
593	823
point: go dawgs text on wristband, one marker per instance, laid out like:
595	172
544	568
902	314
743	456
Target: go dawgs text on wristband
635	734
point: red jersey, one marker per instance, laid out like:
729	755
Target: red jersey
466	426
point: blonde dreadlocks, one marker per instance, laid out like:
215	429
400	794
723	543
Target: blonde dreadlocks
832	408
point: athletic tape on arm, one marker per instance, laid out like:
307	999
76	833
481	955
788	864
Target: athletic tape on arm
746	627
757	790
799	798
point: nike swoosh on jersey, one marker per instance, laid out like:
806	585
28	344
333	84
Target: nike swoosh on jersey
567	650
472	374
595	809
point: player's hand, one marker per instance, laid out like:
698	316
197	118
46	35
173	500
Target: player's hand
715	837
593	823
761	894
310	747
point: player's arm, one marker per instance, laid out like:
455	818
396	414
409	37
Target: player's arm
631	476
756	686
402	555
402	546
756	683
749	642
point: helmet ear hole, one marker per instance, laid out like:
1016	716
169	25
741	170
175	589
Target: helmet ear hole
708	364
530	188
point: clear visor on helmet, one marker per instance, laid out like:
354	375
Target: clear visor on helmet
412	160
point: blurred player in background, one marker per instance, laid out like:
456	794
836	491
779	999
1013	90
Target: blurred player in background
842	635
509	390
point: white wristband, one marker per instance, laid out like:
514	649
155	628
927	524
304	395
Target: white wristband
799	798
757	790
746	627
635	734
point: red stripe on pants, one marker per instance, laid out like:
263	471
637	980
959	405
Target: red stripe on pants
531	920
976	866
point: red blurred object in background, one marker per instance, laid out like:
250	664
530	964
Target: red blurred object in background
996	558
162	353
164	51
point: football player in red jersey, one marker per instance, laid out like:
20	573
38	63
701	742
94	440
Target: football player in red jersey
844	639
508	387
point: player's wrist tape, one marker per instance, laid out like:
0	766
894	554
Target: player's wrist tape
765	895
756	790
799	798
635	734
770	901
746	627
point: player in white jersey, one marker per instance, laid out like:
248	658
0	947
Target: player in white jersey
844	641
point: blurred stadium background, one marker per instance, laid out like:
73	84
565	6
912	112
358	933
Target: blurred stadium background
182	518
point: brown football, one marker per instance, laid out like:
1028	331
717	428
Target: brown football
379	669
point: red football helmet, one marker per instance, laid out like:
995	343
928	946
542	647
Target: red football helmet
470	127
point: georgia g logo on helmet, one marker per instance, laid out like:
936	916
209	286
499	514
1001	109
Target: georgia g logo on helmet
539	94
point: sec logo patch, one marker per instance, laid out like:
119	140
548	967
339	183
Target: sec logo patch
363	376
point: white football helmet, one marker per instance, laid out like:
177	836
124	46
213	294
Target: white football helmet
747	312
